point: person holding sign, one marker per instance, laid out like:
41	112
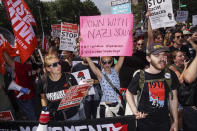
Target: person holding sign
53	86
110	105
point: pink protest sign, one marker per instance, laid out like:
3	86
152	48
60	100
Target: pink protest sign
106	35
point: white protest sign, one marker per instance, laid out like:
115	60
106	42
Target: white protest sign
161	13
194	20
56	30
81	76
69	33
182	16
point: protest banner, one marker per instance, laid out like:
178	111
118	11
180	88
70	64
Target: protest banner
56	30
106	35
69	33
194	20
161	13
81	76
6	116
73	96
126	123
22	21
182	16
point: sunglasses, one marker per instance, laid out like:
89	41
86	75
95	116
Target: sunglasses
141	44
55	64
178	37
106	62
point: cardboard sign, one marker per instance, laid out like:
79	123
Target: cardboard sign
106	35
69	33
73	96
6	116
182	16
161	13
56	30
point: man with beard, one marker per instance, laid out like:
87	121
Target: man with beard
152	113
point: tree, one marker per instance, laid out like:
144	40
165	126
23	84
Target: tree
88	8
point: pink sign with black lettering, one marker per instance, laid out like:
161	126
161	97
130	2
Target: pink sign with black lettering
106	35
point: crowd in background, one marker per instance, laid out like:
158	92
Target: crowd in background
58	65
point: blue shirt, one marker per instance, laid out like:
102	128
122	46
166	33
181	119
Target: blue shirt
109	95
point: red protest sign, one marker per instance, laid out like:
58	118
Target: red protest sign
73	96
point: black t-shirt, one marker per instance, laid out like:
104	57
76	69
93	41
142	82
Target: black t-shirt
130	65
55	93
80	66
65	66
154	98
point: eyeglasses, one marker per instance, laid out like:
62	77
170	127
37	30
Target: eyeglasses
178	37
106	62
141	44
55	64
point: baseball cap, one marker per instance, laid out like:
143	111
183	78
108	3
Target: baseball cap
156	48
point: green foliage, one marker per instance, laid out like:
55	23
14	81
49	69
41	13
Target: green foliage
88	8
53	13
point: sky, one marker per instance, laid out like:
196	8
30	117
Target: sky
103	5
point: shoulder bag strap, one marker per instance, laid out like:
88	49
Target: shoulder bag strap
115	89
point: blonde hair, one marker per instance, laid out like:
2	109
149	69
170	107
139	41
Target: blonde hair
48	57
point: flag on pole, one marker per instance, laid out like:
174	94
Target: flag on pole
22	21
45	45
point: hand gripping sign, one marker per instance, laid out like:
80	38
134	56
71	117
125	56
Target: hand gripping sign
73	96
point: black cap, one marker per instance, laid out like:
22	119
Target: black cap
156	48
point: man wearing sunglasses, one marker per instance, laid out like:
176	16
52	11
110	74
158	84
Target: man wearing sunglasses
177	39
110	105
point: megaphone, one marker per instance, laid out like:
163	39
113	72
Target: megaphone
22	90
42	127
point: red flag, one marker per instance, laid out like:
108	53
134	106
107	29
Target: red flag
5	46
45	45
22	21
29	14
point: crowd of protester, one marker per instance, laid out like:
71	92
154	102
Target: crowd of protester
46	80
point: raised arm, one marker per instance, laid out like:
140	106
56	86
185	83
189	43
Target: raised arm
96	70
9	60
119	64
190	73
150	31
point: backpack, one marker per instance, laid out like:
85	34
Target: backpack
142	81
